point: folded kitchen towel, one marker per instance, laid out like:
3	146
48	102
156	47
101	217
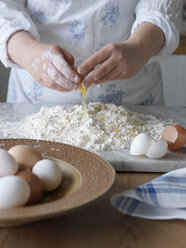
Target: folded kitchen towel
161	198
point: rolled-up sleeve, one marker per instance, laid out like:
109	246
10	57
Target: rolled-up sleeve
164	14
13	17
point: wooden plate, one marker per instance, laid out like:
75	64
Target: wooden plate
86	177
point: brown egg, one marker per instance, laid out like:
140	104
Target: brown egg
23	167
25	155
35	184
175	136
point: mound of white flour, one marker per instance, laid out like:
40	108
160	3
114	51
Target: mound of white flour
104	127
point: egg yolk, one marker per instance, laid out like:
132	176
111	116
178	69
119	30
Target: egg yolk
83	98
82	89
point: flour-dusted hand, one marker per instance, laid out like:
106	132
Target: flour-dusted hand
49	65
53	68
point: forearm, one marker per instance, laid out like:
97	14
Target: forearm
18	47
13	18
149	38
48	64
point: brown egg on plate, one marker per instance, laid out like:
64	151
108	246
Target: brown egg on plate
175	136
23	167
25	155
36	185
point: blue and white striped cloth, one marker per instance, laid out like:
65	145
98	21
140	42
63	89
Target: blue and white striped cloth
161	198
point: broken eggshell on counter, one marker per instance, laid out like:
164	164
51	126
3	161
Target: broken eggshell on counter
175	136
157	149
143	144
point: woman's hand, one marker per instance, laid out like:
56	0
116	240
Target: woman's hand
113	62
49	65
52	67
123	60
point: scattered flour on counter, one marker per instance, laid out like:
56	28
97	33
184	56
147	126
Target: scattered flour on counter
104	127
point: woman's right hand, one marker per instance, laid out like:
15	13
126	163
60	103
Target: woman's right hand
49	65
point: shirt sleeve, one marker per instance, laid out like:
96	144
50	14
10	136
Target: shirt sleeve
164	14
13	17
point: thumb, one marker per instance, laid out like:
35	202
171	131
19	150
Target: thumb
69	58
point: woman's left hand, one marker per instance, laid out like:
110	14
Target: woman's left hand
115	61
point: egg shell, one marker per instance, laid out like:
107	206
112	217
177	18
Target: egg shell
36	185
25	155
175	136
49	173
14	192
140	144
8	165
158	149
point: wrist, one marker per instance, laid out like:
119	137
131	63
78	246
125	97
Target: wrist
148	38
139	52
19	47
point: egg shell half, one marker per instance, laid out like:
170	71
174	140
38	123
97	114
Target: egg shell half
140	144
158	149
8	165
25	155
175	136
49	173
14	192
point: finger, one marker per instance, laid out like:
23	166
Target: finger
69	58
94	60
112	75
49	83
61	64
59	78
100	72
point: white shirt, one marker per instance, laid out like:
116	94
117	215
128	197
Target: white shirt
83	27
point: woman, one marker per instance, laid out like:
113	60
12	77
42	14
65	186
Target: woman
117	43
